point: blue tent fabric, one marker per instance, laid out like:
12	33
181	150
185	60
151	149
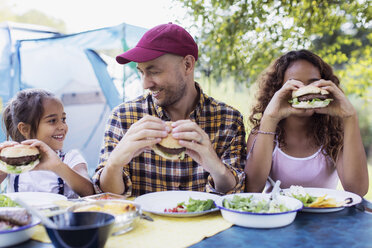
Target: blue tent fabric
72	67
104	79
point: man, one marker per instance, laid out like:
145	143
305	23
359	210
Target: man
212	132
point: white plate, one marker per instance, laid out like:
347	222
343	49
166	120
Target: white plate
37	199
158	201
331	193
19	235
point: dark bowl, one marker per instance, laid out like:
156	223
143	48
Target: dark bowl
81	229
125	220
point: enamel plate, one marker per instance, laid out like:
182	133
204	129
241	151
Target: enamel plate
331	193
157	202
37	199
18	235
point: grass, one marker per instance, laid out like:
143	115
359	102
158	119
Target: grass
242	98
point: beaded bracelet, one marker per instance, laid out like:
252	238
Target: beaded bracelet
263	132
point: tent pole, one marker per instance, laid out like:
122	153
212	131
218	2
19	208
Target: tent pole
125	48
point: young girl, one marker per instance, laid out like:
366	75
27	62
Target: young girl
37	118
307	147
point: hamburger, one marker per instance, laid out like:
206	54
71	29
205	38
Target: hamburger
310	96
169	148
19	158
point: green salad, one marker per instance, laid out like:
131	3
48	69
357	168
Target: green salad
306	199
193	205
299	193
250	204
7	202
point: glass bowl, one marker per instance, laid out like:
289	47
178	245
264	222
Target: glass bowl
127	213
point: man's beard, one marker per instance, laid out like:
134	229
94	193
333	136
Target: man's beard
172	94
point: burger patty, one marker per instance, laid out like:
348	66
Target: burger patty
20	160
171	150
311	97
15	216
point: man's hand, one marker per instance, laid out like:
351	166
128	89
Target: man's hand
141	135
197	143
200	149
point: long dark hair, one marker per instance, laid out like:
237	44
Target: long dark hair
326	130
26	107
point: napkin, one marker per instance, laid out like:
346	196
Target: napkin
162	232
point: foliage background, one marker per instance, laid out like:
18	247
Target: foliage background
239	38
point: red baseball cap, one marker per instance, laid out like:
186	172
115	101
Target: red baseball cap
162	39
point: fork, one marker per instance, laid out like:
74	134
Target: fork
272	182
146	217
275	190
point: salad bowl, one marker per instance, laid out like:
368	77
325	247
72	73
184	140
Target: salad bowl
256	210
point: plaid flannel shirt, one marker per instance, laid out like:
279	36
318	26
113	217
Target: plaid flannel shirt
149	172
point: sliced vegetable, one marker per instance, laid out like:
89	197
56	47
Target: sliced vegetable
5	201
250	204
193	205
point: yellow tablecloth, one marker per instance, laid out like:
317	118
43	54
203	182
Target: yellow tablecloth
162	232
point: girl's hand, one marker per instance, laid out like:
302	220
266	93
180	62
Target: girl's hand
49	158
7	144
2	146
279	108
340	106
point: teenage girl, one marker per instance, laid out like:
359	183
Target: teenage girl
306	147
37	118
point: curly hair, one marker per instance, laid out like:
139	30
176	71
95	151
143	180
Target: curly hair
326	130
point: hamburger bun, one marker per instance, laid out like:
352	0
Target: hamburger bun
169	148
310	96
309	89
19	158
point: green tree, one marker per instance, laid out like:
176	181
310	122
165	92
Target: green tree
7	13
240	38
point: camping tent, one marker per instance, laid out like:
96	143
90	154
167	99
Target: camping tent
79	68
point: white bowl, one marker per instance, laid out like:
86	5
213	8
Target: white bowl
260	220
